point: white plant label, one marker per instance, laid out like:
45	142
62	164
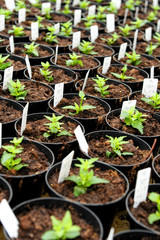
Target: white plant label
117	3
106	64
111	234
58	5
58	93
75	3
158	26
77	16
24	118
149	87
8	219
81	139
148	34
2	22
76	39
122	51
45	5
94	32
155	3
125	16
21	15
152	72
28	66
141	188
11	44
57	28
92	10
65	167
56	55
8	74
85	80
0	135
136	13
34	30
32	1
110	22
135	39
145	6
10	4
127	105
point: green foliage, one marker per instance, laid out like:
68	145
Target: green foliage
66	29
62	229
73	61
86	47
3	64
51	38
1	40
47	13
20	4
157	37
17	31
138	23
45	72
111	8
6	12
152	16
101	86
39	20
116	145
114	37
16	89
66	7
153	217
84	4
133	58
130	5
134	118
150	48
9	159
54	127
88	21
122	75
125	31
37	4
51	29
86	177
31	49
156	8
153	101
101	16
79	108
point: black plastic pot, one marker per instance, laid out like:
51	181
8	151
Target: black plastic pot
6	186
28	186
3	48
156	176
135	234
105	211
100	29
49	203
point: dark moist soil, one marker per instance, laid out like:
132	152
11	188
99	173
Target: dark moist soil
98	193
88	62
33	227
36	92
81	25
141	48
27	23
135	73
142	104
151	126
31	155
92	113
142	212
3	194
59	18
101	51
157	165
107	36
84	33
19	51
5	42
115	91
17	65
9	27
98	148
8	113
35	130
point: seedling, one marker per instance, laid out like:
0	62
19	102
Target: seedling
150	48
130	5
138	23
9	159
86	177
101	86
54	127
81	107
37	4
17	31
47	13
153	217
157	37
84	4
117	147
155	8
16	89
133	58
31	49
99	1
39	20
45	72
88	21
66	7
66	29
1	40
73	61
126	30
101	16
86	48
3	64
134	118
6	12
51	29
153	101
20	4
50	38
62	229
111	8
122	75
114	37
152	17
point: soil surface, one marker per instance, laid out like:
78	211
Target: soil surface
17	65
27	23
81	25
9	27
59	18
84	33
36	221
141	48
119	41
5	42
157	165
8	113
3	194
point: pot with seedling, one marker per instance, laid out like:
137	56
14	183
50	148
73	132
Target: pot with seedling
128	31
8	15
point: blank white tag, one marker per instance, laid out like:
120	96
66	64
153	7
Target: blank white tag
155	3
2	22
58	93
8	74
122	50
85	80
149	87
32	1
92	10
56	55
117	3
141	188
11	43
76	39
58	5
136	13
24	118
94	32
158	26
81	140
106	64
125	16
111	234
145	6
34	30
10	4
8	219
28	67
65	167
21	15
0	135
148	34
152	72
75	2
45	5
110	22
77	16
57	28
135	40
127	105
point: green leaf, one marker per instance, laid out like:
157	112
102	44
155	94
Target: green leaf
153	217
49	235
79	190
3	66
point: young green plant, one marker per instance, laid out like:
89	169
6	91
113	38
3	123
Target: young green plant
133	58
138	23
153	101
111	8
45	72
84	4
39	20
150	48
47	13
66	29
67	7
88	21
86	47
114	37
16	89
152	16
122	76
157	37
130	5
101	15
154	217
126	30
74	60
31	49
101	86
3	64
6	13
17	31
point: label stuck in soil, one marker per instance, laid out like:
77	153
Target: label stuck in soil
110	22
75	2
10	4
65	167
135	40
56	55
136	12
122	51
21	15
76	39
94	32
148	34
28	66
149	87
57	28
58	93
127	105
152	72
81	140
106	65
92	10
2	22
46	5
24	118
77	16
34	30
85	80
111	234
117	3
145	6
155	3
0	135
125	16
58	5
158	26
8	74
11	44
